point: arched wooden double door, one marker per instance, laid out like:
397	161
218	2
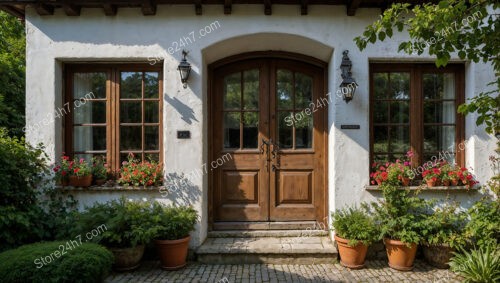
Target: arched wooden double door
269	115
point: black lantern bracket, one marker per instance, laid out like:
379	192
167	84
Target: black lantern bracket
348	85
184	69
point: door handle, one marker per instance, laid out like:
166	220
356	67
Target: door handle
264	143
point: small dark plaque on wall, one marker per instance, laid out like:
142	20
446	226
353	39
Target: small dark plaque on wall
183	134
349	127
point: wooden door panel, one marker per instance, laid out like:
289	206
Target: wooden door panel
265	182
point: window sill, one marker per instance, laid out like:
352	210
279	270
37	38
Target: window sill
431	189
109	188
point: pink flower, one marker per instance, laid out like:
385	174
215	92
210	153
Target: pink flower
407	163
409	153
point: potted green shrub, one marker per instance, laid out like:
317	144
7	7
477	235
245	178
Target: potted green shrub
125	229
400	218
354	231
171	226
99	170
443	234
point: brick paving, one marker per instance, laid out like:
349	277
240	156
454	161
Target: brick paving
375	271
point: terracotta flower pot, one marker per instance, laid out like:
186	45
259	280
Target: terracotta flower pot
127	258
351	257
64	182
438	255
430	183
405	181
173	253
446	183
99	182
83	181
400	256
454	182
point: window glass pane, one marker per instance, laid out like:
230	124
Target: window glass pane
151	138
89	85
250	129
251	90
90	112
303	91
131	85
380	139
130	138
400	85
151	85
380	112
284	89
439	112
232	130
400	112
151	109
152	157
380	158
130	112
380	81
232	91
89	138
400	139
285	129
303	132
439	86
86	157
439	138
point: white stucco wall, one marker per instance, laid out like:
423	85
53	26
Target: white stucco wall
130	36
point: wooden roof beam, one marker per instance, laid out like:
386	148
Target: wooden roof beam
267	8
148	8
44	10
110	10
352	6
197	7
71	9
228	7
303	7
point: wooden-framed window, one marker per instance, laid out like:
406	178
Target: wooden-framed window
414	107
112	111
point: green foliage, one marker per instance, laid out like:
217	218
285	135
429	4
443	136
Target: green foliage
12	74
478	265
355	225
445	226
443	28
30	211
173	223
127	222
83	263
400	215
483	229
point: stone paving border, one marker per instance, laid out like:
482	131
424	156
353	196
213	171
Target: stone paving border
375	271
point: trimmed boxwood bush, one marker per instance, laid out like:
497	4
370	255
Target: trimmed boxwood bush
85	262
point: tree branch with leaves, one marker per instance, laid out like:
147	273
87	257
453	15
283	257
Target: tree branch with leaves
470	29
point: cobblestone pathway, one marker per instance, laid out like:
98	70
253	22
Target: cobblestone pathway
375	271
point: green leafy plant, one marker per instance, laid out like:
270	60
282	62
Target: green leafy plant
127	222
99	168
80	168
136	173
483	228
355	225
444	226
173	223
85	263
400	215
477	265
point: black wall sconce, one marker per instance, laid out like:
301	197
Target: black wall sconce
184	69
348	85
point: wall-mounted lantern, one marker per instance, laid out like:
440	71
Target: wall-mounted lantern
184	69
348	85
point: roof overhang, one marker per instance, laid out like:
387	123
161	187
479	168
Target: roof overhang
148	7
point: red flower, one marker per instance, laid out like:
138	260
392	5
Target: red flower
76	170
